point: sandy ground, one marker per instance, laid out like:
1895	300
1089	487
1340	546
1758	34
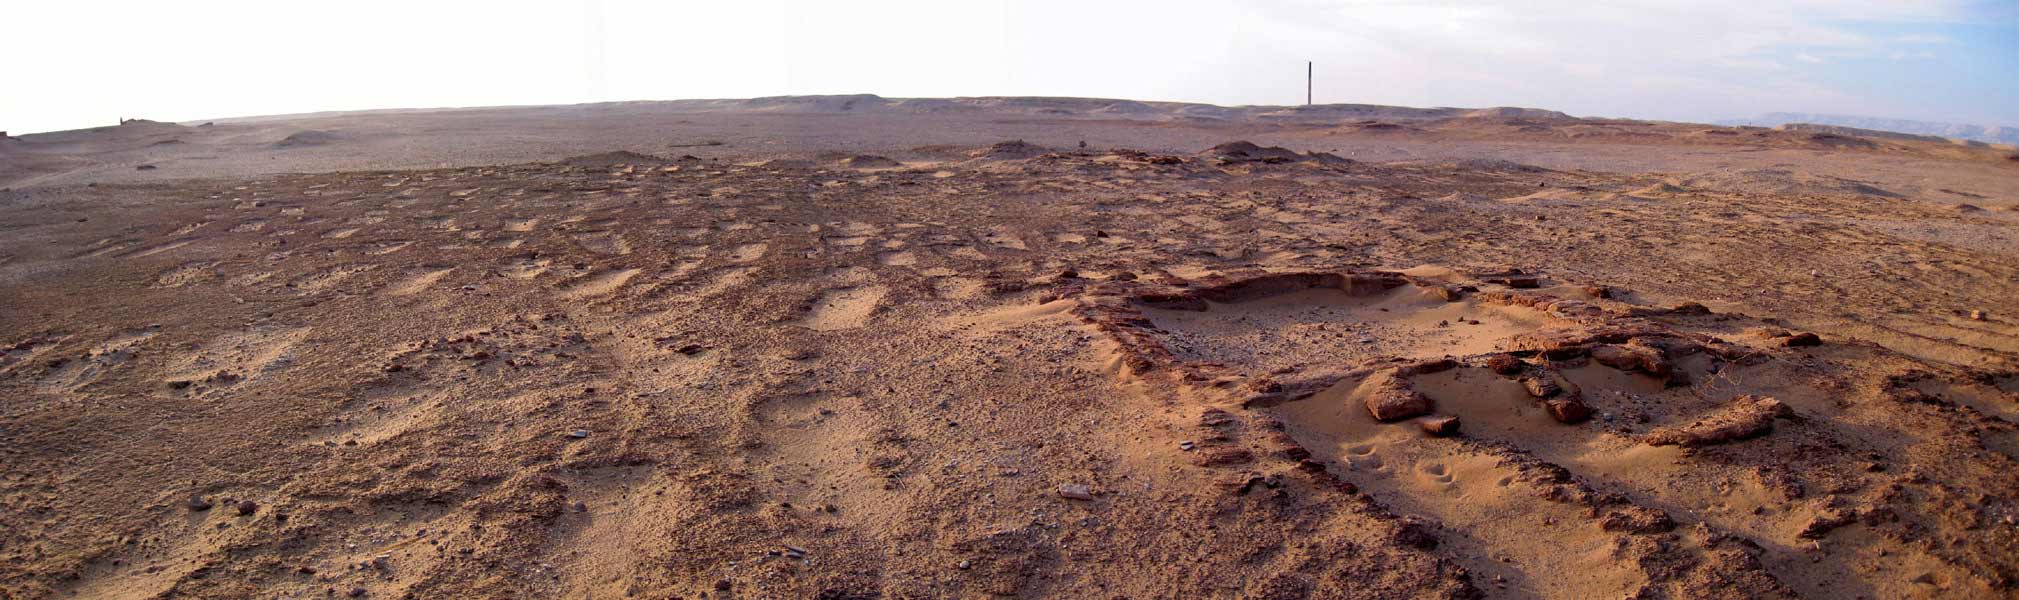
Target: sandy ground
856	348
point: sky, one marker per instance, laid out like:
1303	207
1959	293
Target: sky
86	63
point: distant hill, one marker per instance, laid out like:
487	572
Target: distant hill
1107	108
1993	133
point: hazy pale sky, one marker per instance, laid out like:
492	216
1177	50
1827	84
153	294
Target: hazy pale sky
83	63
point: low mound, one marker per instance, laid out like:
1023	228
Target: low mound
1660	189
1780	182
869	161
1495	164
1382	127
305	138
612	159
1248	152
1512	112
127	126
819	104
1008	150
1833	140
1327	158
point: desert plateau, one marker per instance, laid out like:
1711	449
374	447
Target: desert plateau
854	347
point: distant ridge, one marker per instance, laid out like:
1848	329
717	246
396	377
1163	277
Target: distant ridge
1994	134
1106	108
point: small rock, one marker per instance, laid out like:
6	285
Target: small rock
1977	315
1393	400
1567	410
1505	364
1825	522
1426	367
246	507
1802	339
1239	483
198	504
1440	426
579	433
1516	281
1632	358
356	592
1074	491
1690	308
1540	387
1185	445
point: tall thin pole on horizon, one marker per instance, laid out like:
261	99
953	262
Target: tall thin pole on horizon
1307	83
